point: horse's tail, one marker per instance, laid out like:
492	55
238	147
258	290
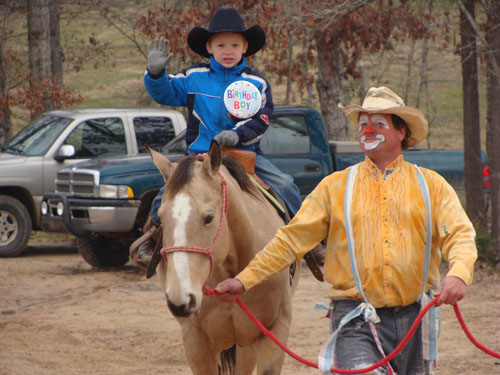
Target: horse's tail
227	364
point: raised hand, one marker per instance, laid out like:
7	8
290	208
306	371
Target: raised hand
158	56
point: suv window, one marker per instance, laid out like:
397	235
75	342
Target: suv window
98	137
288	134
155	132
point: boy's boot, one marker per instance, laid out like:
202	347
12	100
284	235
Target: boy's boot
142	248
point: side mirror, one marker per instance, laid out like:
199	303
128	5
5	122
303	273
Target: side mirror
65	152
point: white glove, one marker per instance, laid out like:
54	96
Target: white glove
158	56
227	138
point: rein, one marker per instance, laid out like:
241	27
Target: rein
203	250
382	362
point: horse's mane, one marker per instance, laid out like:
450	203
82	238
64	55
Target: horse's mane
183	173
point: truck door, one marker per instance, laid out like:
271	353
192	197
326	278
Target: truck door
99	137
287	144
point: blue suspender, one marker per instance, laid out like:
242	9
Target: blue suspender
430	323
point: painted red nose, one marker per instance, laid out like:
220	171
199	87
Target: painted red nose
369	130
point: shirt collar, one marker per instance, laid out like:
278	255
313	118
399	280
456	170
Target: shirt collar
398	162
216	67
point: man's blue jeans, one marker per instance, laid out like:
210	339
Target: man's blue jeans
281	183
356	348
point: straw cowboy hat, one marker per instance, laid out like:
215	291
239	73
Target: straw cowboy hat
384	100
226	20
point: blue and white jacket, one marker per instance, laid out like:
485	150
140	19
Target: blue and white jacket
201	87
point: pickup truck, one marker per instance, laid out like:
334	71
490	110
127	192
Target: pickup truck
57	139
296	142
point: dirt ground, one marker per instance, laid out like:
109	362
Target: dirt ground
60	316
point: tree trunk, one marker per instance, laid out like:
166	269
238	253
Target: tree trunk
55	42
39	39
40	47
5	123
475	204
493	120
329	86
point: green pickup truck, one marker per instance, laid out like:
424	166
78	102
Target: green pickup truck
296	142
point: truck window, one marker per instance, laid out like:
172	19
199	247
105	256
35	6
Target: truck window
98	137
155	132
36	138
287	134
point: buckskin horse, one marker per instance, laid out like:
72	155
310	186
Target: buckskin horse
214	221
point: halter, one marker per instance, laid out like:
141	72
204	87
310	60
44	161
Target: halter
203	250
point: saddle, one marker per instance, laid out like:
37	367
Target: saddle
247	160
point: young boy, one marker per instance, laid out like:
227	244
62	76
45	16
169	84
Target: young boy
200	87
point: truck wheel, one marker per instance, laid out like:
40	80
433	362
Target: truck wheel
15	226
100	252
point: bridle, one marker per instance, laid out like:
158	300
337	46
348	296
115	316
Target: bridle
203	250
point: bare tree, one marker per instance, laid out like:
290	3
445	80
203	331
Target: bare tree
55	42
492	38
39	39
475	204
330	90
5	121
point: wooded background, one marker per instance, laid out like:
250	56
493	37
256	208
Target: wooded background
441	56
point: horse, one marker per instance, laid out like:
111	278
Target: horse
214	221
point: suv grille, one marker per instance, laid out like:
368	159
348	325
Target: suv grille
77	182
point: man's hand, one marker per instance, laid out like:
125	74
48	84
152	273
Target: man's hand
451	291
227	138
158	56
229	289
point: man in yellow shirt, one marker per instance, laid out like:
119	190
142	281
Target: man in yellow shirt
388	224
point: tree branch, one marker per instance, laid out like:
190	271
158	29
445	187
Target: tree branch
105	16
482	38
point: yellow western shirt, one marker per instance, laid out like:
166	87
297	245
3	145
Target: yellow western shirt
389	229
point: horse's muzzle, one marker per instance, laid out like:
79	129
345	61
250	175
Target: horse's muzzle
183	310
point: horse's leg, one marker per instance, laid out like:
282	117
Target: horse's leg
271	356
197	348
246	358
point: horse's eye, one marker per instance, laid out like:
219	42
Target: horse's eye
208	219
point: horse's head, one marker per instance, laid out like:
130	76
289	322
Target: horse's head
191	215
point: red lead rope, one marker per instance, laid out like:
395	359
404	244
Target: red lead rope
380	363
469	335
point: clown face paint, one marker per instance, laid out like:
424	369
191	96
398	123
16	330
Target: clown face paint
369	128
378	121
371	143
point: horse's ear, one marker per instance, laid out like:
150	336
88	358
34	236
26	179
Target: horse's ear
213	159
165	166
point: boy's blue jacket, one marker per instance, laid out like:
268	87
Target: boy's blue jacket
201	87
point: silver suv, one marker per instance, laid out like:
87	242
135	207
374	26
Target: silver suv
30	160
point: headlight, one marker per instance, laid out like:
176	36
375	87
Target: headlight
44	208
60	208
116	191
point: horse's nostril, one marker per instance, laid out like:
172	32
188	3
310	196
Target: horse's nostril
185	309
192	303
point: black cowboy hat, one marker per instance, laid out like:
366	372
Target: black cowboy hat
226	20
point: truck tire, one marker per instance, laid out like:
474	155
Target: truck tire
15	226
100	252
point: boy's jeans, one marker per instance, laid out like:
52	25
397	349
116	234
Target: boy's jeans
281	183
